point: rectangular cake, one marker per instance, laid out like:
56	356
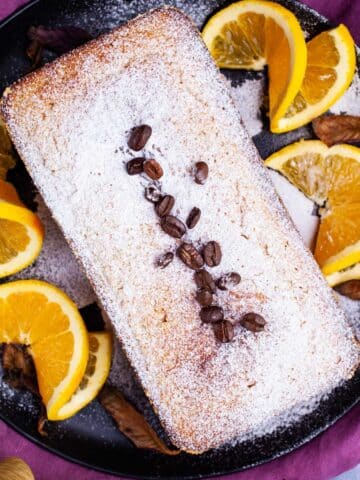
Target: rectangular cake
71	121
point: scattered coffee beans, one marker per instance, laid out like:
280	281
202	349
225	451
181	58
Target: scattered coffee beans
204	297
190	256
152	193
212	314
228	281
253	322
165	260
204	280
193	218
164	205
135	166
224	331
172	226
139	136
212	254
201	172
153	169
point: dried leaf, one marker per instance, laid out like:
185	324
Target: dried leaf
131	423
34	52
59	40
5	142
350	289
19	373
42	421
332	129
6	163
19	370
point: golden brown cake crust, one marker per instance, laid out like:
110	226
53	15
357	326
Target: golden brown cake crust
69	122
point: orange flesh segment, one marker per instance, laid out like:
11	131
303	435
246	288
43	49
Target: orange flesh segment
29	318
333	182
278	61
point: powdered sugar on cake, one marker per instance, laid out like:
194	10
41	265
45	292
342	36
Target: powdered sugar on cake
205	393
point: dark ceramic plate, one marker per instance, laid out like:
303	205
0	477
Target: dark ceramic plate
90	438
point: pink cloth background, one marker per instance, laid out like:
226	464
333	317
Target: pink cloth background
331	453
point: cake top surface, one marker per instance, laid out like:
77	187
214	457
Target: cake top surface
70	122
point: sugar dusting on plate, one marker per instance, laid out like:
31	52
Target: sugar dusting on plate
248	98
349	103
57	264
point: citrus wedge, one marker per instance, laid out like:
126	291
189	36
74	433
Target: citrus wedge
41	316
96	373
329	72
350	273
331	178
21	232
251	34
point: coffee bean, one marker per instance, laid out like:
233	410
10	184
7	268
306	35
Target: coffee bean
228	281
212	254
139	136
212	314
152	193
224	331
135	166
193	218
190	256
350	289
164	260
153	169
204	280
164	205
173	226
201	172
204	297
253	322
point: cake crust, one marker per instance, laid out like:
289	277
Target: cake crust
69	122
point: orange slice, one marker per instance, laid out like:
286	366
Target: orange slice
41	316
21	232
96	373
331	178
329	72
251	34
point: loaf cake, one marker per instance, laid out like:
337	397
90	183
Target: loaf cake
71	122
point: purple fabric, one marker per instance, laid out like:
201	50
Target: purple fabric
331	453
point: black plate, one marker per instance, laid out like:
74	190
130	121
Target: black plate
90	438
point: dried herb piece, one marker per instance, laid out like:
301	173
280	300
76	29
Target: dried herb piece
42	421
19	368
131	423
6	163
333	129
19	373
350	289
59	40
34	52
